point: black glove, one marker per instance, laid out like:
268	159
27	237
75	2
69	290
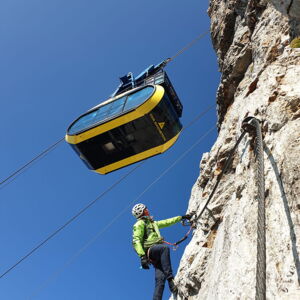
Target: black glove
144	262
187	217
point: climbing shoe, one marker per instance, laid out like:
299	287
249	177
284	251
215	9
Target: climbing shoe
172	286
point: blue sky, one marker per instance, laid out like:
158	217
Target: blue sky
58	59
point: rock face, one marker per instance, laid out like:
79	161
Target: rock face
261	78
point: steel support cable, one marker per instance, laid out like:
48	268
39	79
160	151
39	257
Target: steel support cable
199	116
125	209
91	203
261	218
27	165
252	125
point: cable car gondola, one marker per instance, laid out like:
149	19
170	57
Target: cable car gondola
140	120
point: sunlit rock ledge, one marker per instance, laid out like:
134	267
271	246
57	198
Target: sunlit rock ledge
261	78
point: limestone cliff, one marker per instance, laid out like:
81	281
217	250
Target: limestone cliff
260	77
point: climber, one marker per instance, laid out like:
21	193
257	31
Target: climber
149	245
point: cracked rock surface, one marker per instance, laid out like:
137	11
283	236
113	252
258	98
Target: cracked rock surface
260	78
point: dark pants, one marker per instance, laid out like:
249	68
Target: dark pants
160	258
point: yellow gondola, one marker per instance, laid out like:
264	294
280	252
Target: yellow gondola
131	126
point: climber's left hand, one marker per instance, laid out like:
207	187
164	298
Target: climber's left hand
187	217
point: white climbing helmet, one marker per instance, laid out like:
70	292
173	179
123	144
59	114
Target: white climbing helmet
138	210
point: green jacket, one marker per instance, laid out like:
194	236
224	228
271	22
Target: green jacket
146	233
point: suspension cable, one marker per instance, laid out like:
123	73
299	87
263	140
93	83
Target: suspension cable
125	209
199	116
188	46
91	203
29	163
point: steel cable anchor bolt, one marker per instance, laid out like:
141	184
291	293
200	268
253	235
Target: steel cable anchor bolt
249	126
